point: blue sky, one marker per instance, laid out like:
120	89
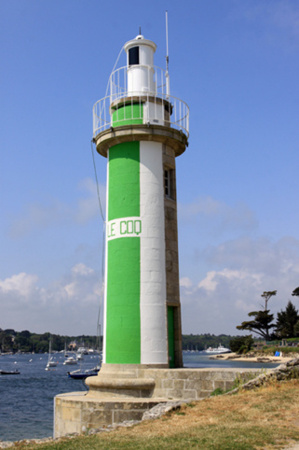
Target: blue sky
236	65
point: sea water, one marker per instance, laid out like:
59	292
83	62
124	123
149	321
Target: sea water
26	400
205	360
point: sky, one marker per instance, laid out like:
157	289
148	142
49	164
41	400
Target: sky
236	64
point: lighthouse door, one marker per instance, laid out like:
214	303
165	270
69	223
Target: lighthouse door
170	322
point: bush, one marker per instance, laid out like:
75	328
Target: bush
241	344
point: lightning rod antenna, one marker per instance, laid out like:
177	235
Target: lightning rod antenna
167	56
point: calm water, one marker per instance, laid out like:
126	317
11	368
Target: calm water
26	400
202	360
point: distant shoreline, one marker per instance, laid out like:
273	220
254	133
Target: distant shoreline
258	358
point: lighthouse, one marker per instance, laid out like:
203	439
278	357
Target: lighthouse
141	129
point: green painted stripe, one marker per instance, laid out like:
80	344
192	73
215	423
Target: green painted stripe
128	115
124	185
123	259
123	302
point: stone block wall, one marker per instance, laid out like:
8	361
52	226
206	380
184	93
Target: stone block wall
172	253
77	413
194	384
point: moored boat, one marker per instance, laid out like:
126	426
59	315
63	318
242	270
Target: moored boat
217	350
70	361
81	375
51	362
10	372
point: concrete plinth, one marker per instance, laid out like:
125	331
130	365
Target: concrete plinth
125	392
77	412
119	381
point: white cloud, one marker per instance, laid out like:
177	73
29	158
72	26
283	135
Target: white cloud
69	306
217	302
221	282
81	269
22	285
223	297
213	278
185	282
261	254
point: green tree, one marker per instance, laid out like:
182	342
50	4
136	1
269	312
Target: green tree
263	320
241	344
6	342
267	295
286	322
23	341
296	292
261	325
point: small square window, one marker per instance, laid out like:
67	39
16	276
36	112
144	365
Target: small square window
133	56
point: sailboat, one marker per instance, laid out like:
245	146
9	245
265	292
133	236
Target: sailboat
51	362
70	361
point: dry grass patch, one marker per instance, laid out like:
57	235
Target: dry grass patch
261	419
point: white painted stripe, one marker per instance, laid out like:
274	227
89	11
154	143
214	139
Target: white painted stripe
106	271
152	276
124	227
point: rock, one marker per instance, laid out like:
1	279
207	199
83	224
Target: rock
293	362
160	409
282	372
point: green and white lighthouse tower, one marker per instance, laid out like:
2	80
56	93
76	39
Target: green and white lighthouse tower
140	128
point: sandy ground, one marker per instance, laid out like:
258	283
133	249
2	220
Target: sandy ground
266	358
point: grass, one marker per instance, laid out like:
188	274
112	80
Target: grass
264	418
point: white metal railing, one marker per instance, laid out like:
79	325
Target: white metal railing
149	105
154	80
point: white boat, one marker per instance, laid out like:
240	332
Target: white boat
82	351
217	350
70	361
51	362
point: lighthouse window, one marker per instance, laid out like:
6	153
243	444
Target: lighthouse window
133	56
167	183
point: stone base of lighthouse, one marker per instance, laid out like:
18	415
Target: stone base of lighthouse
125	392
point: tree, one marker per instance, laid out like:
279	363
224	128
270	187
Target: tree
241	344
261	324
286	322
267	295
263	320
296	292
